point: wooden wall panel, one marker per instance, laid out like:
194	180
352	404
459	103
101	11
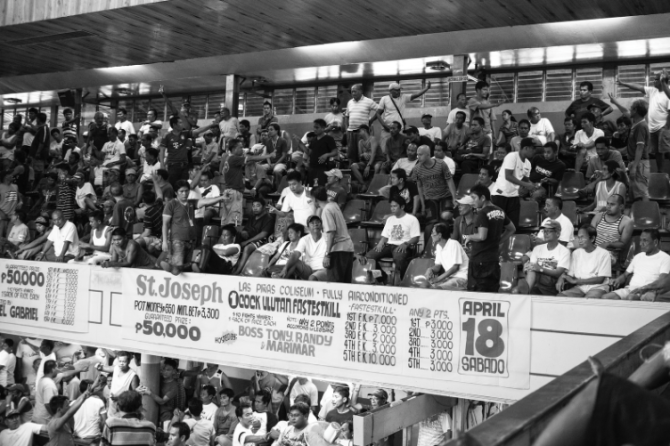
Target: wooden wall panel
15	12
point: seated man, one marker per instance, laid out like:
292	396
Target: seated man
487	176
127	253
648	266
590	268
306	262
553	209
406	189
407	163
595	169
613	181
63	241
548	262
615	229
451	262
547	171
226	253
256	232
400	234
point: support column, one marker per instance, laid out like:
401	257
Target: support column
114	106
53	122
150	376
458	68
609	81
77	111
233	94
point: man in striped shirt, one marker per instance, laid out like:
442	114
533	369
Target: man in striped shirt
130	428
358	114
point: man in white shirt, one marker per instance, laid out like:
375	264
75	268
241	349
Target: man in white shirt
553	207
514	174
585	140
392	108
657	117
7	363
47	354
305	386
18	434
461	106
540	127
229	127
244	432
63	242
27	352
113	152
46	389
297	201
434	133
590	268
90	418
548	262
306	262
648	266
123	123
85	194
401	232
407	164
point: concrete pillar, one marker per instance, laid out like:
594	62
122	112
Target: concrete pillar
53	122
233	94
609	81
150	376
458	68
77	111
114	106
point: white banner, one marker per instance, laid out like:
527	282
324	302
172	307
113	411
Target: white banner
47	295
399	336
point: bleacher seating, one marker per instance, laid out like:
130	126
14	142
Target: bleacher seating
515	248
256	264
465	184
378	181
360	271
529	217
354	211
646	215
570	211
570	185
415	276
659	187
381	210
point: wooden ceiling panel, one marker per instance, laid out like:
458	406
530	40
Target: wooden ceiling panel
187	29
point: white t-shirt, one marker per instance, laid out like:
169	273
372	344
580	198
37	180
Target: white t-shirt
567	229
433	133
521	169
87	418
28	355
46	389
401	230
60	235
584	265
312	252
452	254
40	370
308	389
558	257
127	126
113	151
646	269
582	137
451	118
659	104
240	434
405	164
208	411
390	112
22	436
8	360
213	193
82	193
201	432
541	130
302	206
148	169
337	119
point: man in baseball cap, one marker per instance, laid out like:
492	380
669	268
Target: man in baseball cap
434	133
18	434
464	224
334	189
392	108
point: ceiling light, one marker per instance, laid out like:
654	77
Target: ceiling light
13	100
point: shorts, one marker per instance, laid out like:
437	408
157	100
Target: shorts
451	283
659	141
303	272
262	170
624	294
180	252
582	290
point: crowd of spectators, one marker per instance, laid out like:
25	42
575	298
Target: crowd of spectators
87	395
181	197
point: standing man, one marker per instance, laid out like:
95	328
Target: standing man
639	142
514	174
229	127
265	120
392	107
123	378
434	182
580	106
359	108
493	228
339	259
175	149
481	106
321	149
122	122
45	390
